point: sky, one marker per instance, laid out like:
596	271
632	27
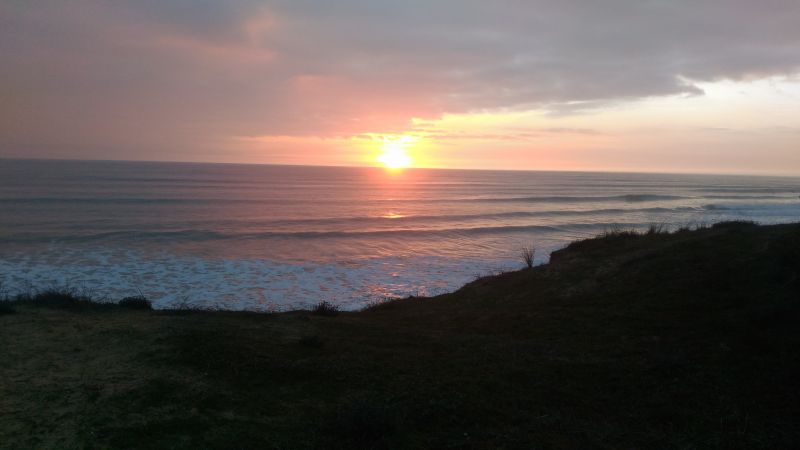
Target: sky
617	85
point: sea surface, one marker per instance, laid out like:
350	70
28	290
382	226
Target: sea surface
271	238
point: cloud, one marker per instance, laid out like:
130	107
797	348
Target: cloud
144	76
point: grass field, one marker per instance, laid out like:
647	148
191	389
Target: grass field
686	340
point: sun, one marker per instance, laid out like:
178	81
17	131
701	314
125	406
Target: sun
394	153
394	158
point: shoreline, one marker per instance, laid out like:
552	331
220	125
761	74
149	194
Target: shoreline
276	283
73	293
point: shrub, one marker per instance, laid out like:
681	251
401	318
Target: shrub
62	298
325	308
136	302
527	255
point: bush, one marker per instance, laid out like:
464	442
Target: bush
527	255
136	302
325	308
62	298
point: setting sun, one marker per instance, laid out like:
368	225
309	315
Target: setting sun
394	154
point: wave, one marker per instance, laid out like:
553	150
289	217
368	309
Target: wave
580	199
775	208
626	198
205	235
140	201
748	197
360	222
97	200
751	190
486	216
208	235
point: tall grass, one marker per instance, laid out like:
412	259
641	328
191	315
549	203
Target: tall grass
617	231
325	308
657	228
527	254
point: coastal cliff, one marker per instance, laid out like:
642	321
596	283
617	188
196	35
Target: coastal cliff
684	340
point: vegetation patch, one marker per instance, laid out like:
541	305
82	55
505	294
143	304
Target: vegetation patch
137	302
527	254
325	308
67	298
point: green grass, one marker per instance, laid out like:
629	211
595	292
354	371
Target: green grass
683	340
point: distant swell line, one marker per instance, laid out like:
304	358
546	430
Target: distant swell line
99	200
578	199
751	190
457	217
204	235
628	198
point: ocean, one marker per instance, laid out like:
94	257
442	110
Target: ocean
272	238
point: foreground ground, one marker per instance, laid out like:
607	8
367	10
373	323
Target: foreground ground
687	340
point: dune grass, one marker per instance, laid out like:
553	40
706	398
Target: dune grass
643	340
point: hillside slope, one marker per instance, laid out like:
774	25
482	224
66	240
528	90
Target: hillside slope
684	340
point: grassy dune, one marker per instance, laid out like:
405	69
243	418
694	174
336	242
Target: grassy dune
686	340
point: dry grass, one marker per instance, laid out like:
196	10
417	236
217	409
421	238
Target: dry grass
325	308
528	253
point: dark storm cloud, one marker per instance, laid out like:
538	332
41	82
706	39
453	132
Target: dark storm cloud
181	75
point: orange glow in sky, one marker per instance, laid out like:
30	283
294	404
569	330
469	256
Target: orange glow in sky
717	132
291	83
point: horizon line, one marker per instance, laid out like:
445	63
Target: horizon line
377	167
